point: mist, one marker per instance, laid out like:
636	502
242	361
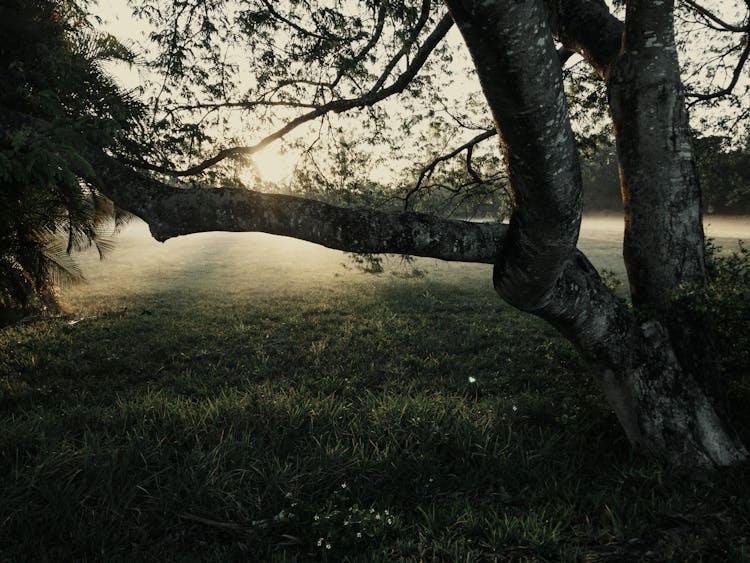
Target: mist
260	264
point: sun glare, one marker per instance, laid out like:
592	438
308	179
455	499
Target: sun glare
274	165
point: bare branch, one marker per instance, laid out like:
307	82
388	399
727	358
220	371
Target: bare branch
457	119
372	97
709	15
173	211
735	78
427	170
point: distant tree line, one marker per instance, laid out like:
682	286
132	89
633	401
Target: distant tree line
724	173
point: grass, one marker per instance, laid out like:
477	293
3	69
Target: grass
373	420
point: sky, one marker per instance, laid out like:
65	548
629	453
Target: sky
275	164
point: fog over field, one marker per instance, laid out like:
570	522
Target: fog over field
256	263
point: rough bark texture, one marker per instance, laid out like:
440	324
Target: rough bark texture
506	39
647	379
661	407
171	212
664	251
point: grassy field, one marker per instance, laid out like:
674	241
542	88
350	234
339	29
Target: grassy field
231	398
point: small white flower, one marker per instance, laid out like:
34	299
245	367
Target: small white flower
343	485
320	542
377	517
359	534
515	408
472	379
390	521
316	517
328	546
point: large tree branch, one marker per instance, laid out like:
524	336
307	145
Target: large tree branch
507	39
371	98
172	211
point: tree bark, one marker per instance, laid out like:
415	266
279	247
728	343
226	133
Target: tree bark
645	375
506	40
172	211
664	251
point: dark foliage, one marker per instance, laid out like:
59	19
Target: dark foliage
729	291
49	70
725	175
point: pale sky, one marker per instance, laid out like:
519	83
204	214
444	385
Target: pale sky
273	165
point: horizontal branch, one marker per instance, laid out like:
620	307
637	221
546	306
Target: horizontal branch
172	211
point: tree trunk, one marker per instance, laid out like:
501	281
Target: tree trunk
663	250
645	367
659	404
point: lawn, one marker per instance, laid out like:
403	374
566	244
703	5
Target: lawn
265	413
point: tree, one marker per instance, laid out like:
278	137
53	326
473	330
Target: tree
49	60
656	362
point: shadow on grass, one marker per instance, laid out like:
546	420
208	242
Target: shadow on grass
382	421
